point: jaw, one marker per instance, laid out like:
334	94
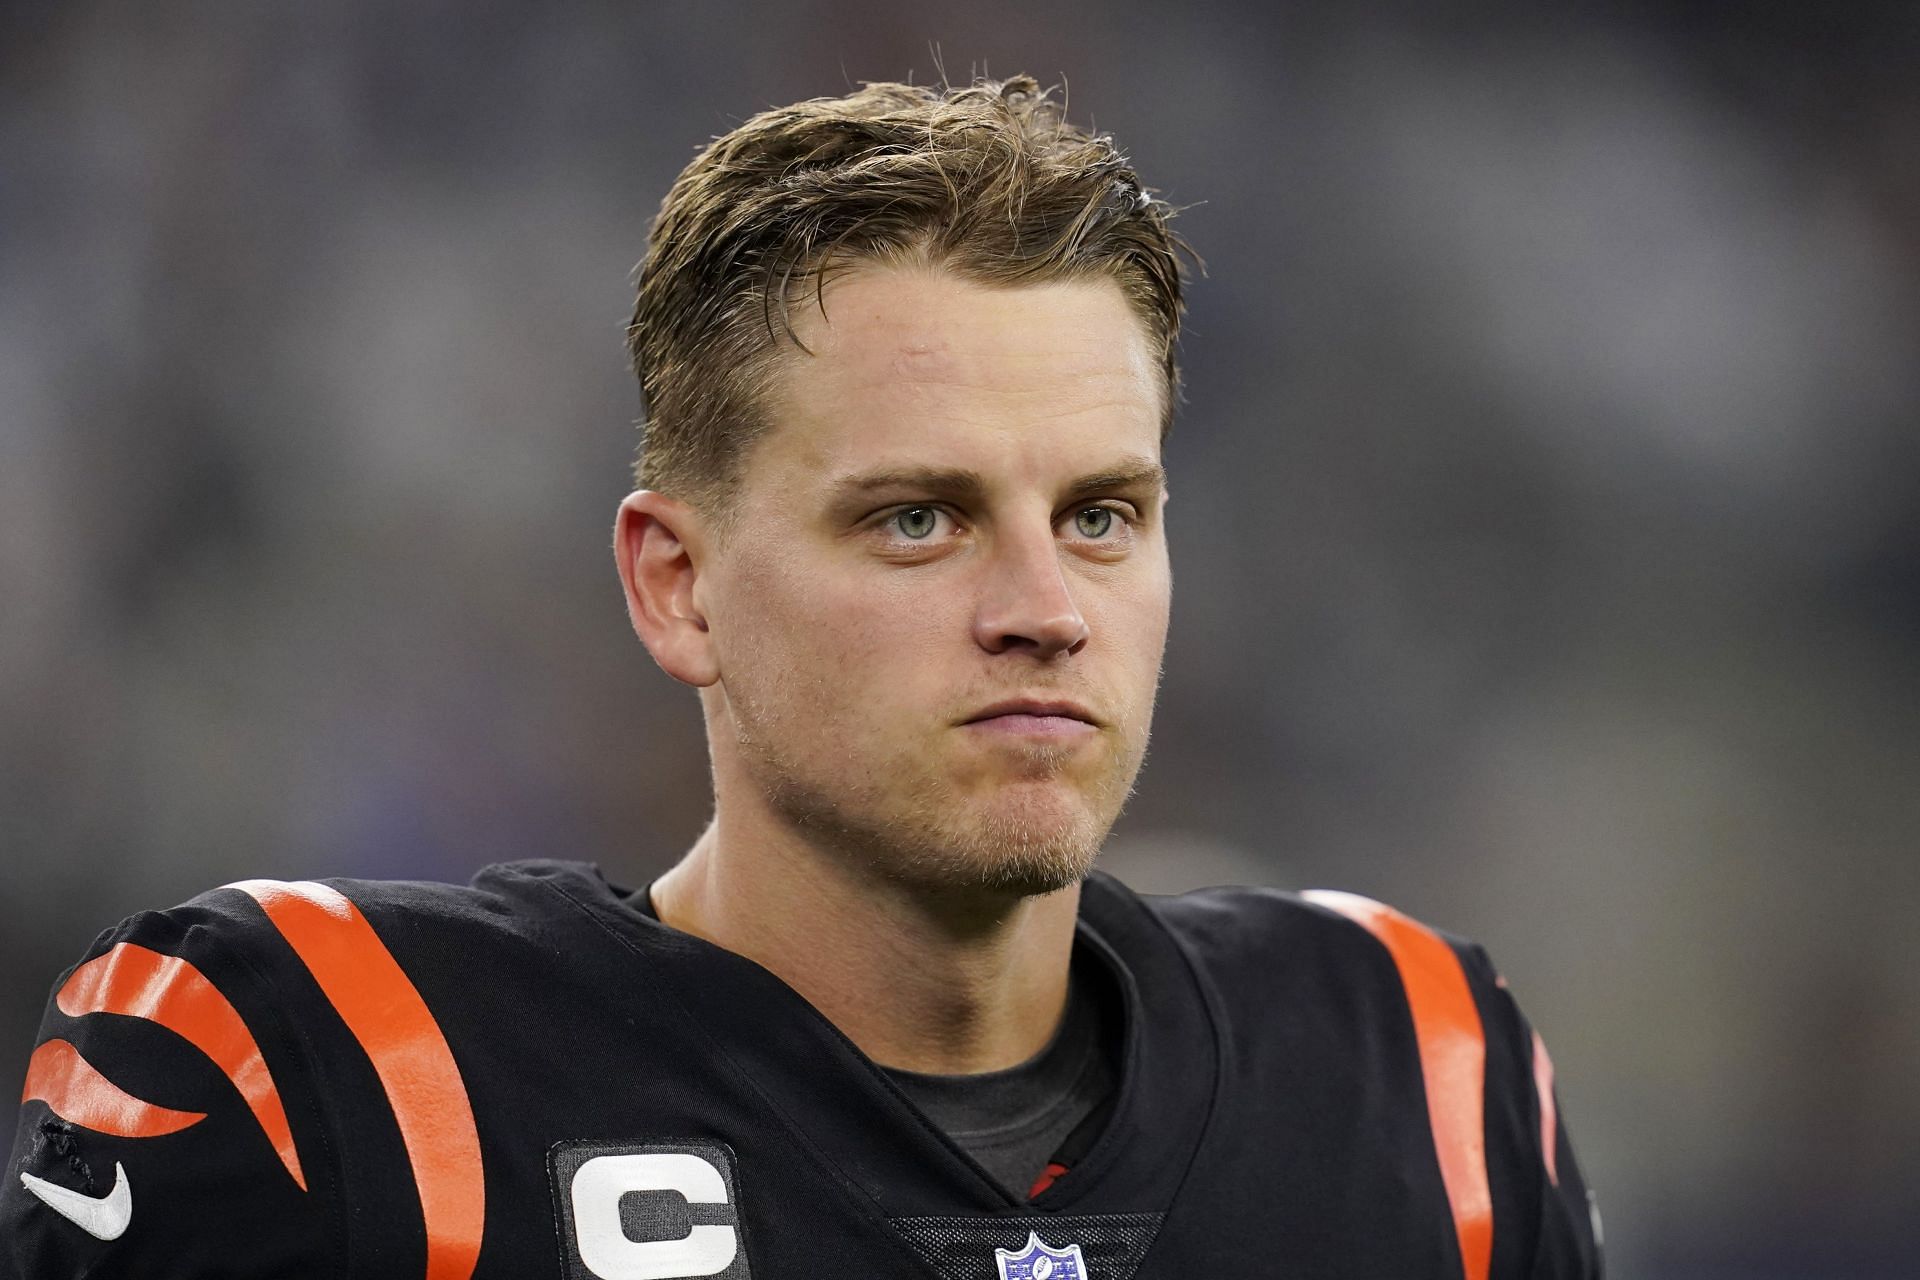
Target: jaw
947	813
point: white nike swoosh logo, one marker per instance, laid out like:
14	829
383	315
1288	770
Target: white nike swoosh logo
103	1218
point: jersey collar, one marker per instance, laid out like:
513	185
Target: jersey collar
841	1108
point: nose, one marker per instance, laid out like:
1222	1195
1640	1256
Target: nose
1026	604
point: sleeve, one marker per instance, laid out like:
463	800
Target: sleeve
1528	1147
1569	1242
165	1128
1521	1204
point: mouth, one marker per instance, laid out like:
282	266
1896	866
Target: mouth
1035	717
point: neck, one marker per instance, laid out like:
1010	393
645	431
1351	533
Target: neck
930	980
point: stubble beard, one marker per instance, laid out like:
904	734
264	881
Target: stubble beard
931	836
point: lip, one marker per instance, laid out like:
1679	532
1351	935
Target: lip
1035	709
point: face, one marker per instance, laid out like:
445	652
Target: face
939	614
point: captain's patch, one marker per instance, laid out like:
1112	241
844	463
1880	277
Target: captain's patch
657	1211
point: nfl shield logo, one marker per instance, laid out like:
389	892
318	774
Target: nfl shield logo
1037	1261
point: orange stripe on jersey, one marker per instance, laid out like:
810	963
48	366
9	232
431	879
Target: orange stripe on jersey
1549	1118
58	1076
1453	1062
385	1013
140	983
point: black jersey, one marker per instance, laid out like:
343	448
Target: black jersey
529	1077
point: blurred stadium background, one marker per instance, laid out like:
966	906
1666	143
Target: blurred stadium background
1547	506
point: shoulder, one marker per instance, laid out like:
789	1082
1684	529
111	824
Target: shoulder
503	897
1357	987
255	920
235	945
241	934
1337	935
506	897
266	960
1348	973
212	1055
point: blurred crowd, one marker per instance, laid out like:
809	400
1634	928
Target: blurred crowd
1546	501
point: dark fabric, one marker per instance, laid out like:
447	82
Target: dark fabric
962	1248
1268	1112
1013	1122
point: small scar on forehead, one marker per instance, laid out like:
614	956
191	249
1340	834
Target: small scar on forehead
921	356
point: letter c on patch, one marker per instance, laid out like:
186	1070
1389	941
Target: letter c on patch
605	1248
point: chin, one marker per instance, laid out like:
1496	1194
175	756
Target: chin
1020	850
1003	854
1010	840
1029	872
1034	879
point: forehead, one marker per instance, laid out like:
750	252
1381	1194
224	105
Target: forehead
913	365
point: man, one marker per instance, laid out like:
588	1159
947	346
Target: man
908	359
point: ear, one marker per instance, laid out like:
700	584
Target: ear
657	545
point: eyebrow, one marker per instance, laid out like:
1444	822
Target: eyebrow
961	483
1132	473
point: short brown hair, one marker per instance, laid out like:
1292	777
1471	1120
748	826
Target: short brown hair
987	181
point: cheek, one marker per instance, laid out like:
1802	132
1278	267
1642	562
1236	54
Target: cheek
843	646
1133	614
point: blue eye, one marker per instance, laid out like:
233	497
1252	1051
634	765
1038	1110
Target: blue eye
1094	522
917	523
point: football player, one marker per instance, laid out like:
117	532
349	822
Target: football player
908	359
